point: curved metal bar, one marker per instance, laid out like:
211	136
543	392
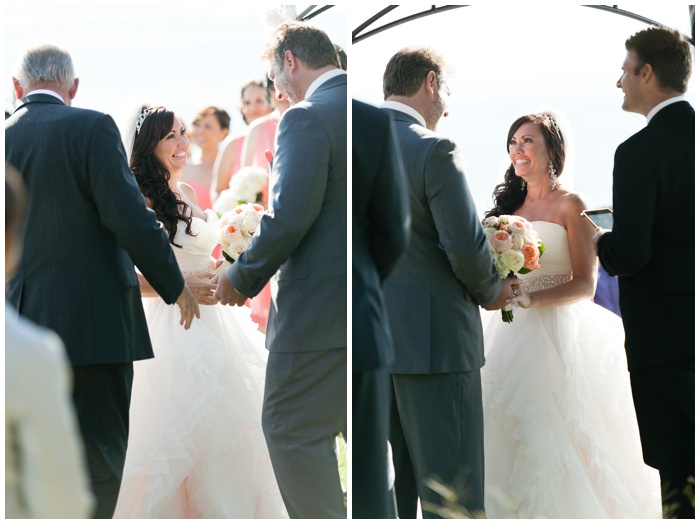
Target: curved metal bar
303	16
373	19
434	10
634	16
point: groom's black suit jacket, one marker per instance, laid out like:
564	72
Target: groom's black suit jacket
87	225
652	245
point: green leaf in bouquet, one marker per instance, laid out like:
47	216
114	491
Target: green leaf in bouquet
540	246
258	196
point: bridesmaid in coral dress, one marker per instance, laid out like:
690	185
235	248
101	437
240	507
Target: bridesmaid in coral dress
260	141
210	127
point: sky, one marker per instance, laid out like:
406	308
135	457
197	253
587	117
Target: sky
183	55
507	59
511	59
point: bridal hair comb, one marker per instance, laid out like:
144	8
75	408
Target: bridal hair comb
142	118
552	122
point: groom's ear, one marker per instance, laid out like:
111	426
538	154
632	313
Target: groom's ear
431	83
290	61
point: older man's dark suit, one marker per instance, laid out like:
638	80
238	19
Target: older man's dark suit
380	232
652	250
433	296
87	225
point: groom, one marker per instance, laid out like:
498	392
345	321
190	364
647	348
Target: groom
302	243
433	298
651	249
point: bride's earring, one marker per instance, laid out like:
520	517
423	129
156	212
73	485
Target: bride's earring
523	184
552	176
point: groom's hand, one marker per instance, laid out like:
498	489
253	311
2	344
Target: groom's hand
227	294
510	289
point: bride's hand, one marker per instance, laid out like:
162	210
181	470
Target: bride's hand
520	297
202	288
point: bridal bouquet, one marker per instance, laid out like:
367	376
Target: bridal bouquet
236	229
246	185
515	247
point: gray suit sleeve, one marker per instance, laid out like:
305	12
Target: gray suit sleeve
298	187
459	227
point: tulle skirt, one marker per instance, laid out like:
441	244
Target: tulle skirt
561	437
196	447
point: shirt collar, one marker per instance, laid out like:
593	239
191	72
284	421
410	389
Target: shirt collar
663	104
46	92
398	106
321	79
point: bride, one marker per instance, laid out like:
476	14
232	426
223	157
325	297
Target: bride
559	423
196	447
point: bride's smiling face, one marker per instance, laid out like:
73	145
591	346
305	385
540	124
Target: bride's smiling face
172	148
528	151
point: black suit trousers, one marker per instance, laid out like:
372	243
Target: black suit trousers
102	394
371	493
664	399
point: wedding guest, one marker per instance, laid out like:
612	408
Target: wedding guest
433	297
209	128
254	104
45	473
196	447
380	233
561	439
76	275
258	144
654	214
303	244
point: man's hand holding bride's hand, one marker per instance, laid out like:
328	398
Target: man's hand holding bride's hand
188	307
519	297
227	294
510	284
202	287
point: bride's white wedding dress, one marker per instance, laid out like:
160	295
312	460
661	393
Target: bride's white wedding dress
561	437
196	447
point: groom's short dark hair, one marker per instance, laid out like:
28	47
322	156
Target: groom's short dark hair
407	69
309	44
667	52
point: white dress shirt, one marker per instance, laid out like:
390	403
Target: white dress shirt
45	472
321	79
663	104
398	106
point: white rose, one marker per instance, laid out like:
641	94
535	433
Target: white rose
518	241
513	260
249	225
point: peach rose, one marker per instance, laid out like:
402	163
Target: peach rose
532	256
500	241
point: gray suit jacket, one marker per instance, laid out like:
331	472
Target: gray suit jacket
86	227
303	243
434	292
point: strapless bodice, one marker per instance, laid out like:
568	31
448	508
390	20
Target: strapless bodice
555	263
195	252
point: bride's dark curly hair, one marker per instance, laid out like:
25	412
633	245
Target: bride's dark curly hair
152	176
509	195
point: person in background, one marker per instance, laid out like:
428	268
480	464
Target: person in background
209	128
45	473
254	104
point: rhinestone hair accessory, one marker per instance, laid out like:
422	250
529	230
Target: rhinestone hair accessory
552	122
142	118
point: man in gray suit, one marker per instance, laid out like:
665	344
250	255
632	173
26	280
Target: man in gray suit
88	225
433	297
303	244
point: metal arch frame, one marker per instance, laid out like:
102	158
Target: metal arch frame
357	37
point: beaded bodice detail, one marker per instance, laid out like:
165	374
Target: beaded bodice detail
555	263
193	256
